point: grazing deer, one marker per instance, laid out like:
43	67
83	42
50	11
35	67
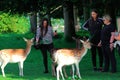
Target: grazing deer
15	56
64	57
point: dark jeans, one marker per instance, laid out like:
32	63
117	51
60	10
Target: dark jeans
94	50
109	58
44	48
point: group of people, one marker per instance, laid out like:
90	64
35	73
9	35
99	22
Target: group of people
102	41
100	36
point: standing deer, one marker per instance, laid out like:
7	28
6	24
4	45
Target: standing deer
77	40
64	57
54	66
15	56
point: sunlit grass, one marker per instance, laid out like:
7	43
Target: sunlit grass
33	66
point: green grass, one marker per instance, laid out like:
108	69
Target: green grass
33	66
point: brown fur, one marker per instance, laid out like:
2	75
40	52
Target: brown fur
71	52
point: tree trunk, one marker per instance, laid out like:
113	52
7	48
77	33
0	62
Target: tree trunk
75	12
109	9
38	19
69	29
33	22
76	18
86	9
49	16
86	12
49	19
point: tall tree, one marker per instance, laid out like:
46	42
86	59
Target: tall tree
86	9
69	29
110	9
33	22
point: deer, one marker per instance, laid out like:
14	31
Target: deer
66	57
77	41
15	56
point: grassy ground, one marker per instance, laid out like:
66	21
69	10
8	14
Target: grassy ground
33	67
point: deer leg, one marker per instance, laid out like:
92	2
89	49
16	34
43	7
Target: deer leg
53	69
58	75
59	69
78	72
61	72
21	68
64	71
73	71
1	62
2	67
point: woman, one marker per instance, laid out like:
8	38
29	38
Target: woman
45	33
107	44
94	26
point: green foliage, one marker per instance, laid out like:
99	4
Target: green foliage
13	23
56	21
58	24
83	33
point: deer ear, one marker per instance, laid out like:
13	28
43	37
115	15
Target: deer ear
24	39
87	40
82	41
32	39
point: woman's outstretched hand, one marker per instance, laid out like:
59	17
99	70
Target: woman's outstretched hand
111	46
99	44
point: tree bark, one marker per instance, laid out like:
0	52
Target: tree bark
86	13
49	16
69	29
38	19
33	22
86	9
110	10
75	12
76	18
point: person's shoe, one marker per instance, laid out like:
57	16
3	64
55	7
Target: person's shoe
46	72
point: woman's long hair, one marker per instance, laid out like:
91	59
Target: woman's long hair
42	27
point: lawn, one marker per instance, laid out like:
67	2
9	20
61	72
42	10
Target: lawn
33	67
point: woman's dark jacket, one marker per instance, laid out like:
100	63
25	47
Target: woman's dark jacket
94	27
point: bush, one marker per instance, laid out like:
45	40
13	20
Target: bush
58	24
13	23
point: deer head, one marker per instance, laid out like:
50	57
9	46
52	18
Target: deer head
29	41
86	44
